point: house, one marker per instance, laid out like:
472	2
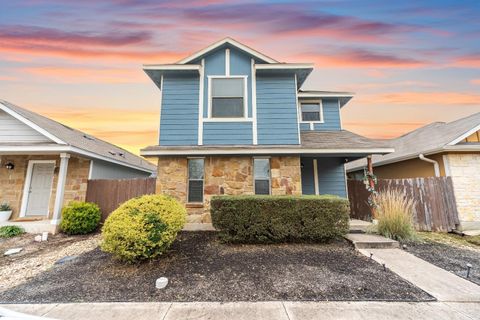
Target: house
437	149
234	121
45	164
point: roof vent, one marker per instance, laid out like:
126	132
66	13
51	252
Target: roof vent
88	137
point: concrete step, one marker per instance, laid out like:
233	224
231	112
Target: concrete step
359	226
371	241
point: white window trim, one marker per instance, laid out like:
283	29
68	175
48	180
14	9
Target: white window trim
28	181
320	103
270	173
188	181
245	98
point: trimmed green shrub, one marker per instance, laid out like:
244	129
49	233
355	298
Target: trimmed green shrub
143	228
10	231
80	218
269	219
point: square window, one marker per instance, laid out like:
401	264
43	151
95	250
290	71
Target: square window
227	100
311	112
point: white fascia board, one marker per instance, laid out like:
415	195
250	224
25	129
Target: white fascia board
465	135
281	66
31	124
64	149
463	147
264	151
166	67
326	95
233	43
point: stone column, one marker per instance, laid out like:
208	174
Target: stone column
62	177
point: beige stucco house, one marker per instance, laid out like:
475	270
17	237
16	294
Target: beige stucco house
44	165
437	149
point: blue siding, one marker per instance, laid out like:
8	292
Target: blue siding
179	115
331	117
276	110
240	65
331	176
227	133
308	184
214	66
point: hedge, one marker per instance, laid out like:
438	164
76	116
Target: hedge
270	219
80	218
143	228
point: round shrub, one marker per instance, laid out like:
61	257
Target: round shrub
80	218
143	228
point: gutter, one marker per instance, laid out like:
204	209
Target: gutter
436	167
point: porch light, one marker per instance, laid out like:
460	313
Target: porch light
9	166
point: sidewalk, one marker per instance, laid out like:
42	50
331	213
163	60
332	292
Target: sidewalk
253	310
443	285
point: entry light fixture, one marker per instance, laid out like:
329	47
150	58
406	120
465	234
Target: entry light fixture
9	165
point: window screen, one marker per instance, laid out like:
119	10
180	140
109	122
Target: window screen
195	180
227	98
310	112
261	173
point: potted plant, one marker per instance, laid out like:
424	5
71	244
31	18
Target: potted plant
5	211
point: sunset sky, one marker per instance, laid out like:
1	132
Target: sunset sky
79	62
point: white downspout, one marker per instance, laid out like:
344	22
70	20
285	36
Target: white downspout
435	164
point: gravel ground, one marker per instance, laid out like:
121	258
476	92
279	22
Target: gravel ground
200	268
450	256
37	257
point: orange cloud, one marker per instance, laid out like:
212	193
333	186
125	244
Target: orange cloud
360	59
139	56
421	98
468	61
84	74
475	81
378	130
129	129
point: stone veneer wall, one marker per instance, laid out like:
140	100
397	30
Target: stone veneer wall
225	175
12	181
465	173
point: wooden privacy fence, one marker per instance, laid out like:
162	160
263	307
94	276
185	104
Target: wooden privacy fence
435	205
109	194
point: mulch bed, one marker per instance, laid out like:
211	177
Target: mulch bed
448	257
200	268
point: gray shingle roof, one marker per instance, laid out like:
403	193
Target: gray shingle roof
335	141
342	139
81	140
431	138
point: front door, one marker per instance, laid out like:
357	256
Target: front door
40	189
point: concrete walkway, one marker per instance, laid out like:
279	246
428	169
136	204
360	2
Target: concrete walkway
443	285
253	310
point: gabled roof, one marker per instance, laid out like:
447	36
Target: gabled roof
232	42
66	139
433	138
339	142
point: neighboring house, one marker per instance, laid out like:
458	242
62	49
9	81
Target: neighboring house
438	149
234	121
45	164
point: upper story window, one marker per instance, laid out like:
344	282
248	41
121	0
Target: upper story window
311	111
227	97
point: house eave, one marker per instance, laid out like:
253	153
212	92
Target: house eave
261	151
57	149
